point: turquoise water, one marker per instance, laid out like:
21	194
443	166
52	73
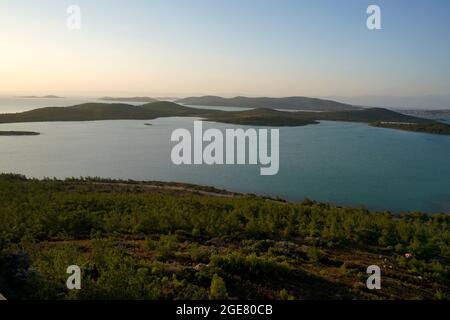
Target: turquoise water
337	162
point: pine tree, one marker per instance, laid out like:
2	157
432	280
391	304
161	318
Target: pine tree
218	289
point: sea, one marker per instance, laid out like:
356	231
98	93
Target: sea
340	163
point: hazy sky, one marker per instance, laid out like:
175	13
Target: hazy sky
225	47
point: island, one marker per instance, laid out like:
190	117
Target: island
442	115
377	117
42	97
19	133
435	127
286	103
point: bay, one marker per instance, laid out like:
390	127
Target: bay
337	162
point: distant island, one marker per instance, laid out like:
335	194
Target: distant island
378	117
41	97
19	133
129	99
429	114
287	103
166	98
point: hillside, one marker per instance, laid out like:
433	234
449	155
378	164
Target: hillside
368	115
100	111
155	240
262	117
281	118
288	103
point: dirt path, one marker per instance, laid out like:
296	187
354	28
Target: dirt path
162	186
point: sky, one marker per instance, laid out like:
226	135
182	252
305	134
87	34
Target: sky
319	48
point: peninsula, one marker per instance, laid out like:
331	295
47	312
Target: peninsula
18	133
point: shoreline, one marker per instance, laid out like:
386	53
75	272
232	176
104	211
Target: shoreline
183	188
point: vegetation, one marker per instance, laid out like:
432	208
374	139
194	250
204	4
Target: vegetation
103	111
18	133
152	240
434	127
263	117
218	289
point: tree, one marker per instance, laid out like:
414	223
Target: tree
218	289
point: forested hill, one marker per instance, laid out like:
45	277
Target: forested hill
154	240
101	111
288	103
260	116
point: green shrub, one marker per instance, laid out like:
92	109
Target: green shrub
251	266
166	247
218	290
284	295
199	254
313	254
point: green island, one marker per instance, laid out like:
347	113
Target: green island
435	128
156	240
378	117
19	133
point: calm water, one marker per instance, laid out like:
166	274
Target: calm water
343	163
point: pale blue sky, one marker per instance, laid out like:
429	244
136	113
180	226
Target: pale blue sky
226	47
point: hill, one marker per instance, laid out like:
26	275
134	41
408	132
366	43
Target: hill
288	103
262	117
282	118
100	111
155	240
